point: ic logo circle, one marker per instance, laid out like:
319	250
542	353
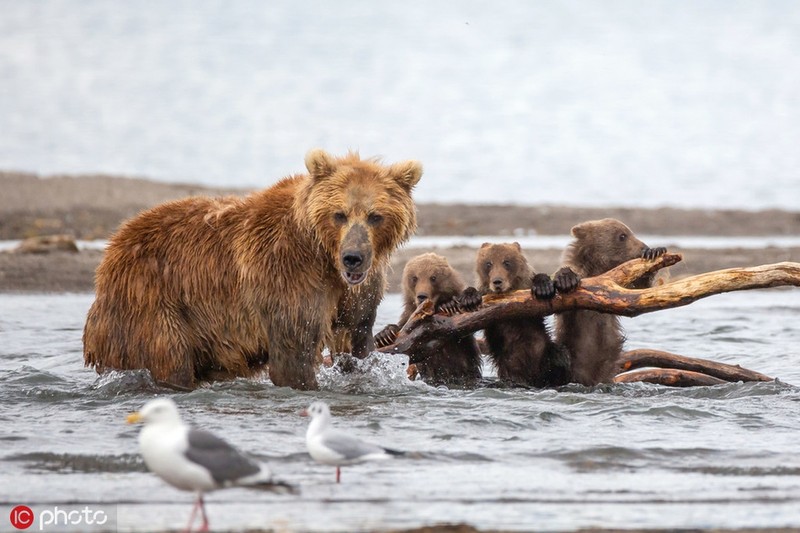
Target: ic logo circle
22	517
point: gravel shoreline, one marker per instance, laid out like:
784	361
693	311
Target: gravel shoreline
92	207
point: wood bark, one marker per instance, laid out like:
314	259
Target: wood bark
669	376
606	293
636	359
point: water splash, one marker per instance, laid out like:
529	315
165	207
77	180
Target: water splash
377	372
121	382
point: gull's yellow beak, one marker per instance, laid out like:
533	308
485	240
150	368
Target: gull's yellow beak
134	417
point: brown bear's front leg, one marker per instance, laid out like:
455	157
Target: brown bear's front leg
361	337
181	377
303	378
293	363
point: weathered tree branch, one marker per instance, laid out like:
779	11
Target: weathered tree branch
635	359
669	376
605	293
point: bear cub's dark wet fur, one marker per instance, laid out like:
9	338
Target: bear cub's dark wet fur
521	349
594	340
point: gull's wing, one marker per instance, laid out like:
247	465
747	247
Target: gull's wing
350	448
224	462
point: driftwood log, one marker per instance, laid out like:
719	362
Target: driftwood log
685	368
606	293
672	377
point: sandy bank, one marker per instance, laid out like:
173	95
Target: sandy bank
92	207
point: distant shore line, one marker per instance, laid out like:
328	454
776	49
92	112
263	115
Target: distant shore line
91	208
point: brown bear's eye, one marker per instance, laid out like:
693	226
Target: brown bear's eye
433	279
622	237
340	218
507	264
374	219
413	279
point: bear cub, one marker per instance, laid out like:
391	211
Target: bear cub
521	348
430	277
594	340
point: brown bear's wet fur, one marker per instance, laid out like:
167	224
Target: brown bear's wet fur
201	288
594	339
430	277
521	349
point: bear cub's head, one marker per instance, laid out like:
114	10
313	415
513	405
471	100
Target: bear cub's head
502	268
360	210
601	245
430	277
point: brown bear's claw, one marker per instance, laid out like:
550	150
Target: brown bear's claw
448	308
470	299
387	335
542	287
653	253
566	280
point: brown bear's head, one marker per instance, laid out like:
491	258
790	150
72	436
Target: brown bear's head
502	268
430	277
359	210
601	245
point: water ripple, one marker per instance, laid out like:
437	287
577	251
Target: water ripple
65	463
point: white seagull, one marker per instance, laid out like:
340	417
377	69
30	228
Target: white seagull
330	446
195	460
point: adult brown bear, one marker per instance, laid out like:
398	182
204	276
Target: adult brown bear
202	289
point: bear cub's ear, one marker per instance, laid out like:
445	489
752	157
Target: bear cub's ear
581	231
320	164
407	174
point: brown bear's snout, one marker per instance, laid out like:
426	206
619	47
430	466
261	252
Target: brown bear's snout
497	284
356	255
352	260
421	297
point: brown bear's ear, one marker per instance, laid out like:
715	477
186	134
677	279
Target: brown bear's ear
319	163
484	245
581	231
407	174
516	244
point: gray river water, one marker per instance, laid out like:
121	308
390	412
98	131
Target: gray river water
615	456
691	104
